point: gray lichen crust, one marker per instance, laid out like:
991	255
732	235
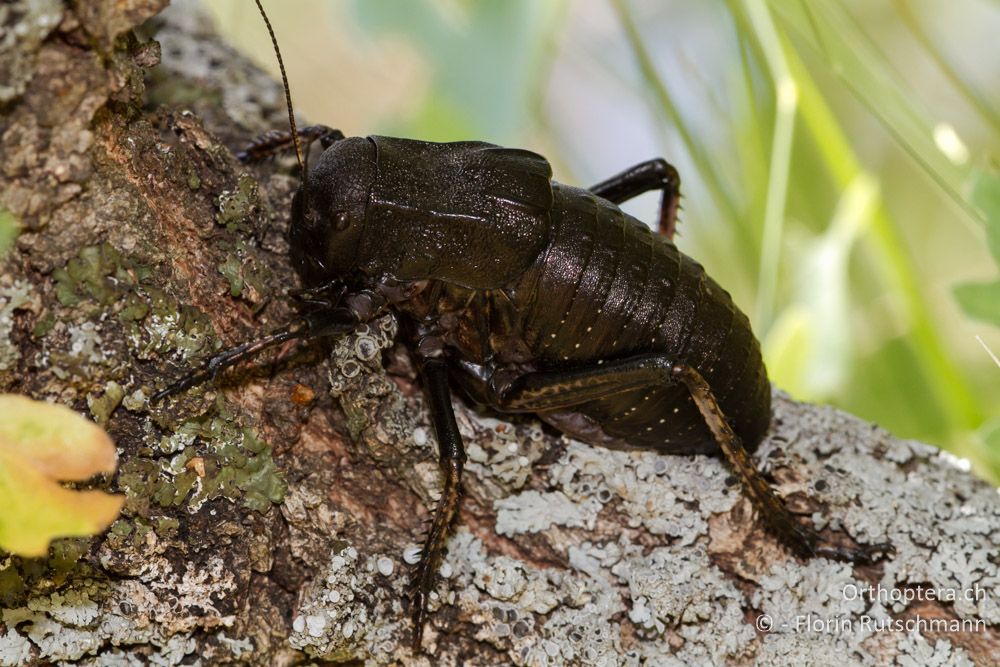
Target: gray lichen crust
23	26
668	568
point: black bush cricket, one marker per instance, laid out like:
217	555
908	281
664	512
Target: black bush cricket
531	296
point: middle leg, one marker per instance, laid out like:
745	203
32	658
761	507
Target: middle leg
655	174
452	460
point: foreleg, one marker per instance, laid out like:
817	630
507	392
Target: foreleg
274	142
358	308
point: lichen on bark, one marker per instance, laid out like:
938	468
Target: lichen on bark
270	522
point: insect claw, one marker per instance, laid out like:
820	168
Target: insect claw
869	553
160	395
806	545
180	385
419	618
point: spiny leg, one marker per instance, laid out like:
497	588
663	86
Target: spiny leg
274	142
559	390
804	541
313	325
452	460
655	174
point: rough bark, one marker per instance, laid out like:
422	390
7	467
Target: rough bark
268	514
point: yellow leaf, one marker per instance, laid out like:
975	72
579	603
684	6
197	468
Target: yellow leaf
36	509
59	442
41	443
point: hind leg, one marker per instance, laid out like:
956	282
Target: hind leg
806	542
558	390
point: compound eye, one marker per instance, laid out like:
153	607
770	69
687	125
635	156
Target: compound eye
341	220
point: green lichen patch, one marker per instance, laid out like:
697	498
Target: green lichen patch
44	325
9	229
247	276
101	274
230	268
11	585
134	308
101	279
241	213
20	576
98	272
131	536
210	457
240	208
170	327
102	406
110	312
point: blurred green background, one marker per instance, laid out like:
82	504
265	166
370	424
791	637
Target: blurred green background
838	158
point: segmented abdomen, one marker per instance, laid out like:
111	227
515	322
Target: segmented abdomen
608	288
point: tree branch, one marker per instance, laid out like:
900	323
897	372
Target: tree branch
268	515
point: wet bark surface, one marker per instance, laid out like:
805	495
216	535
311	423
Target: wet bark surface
270	515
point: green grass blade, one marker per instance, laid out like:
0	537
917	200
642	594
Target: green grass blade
949	387
786	94
974	97
703	162
827	28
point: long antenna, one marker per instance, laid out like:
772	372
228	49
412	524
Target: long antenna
288	92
